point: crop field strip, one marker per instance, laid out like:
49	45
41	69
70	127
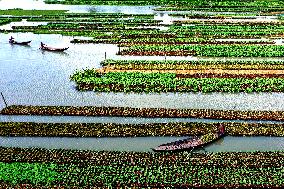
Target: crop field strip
123	26
133	169
190	65
136	130
142	112
91	79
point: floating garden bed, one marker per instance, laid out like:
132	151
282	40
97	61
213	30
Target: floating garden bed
208	50
191	65
91	79
143	112
132	169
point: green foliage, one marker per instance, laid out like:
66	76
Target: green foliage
168	82
213	50
28	173
21	12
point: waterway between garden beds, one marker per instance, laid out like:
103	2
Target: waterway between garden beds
142	144
30	76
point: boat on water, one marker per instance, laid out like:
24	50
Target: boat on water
12	41
46	48
191	143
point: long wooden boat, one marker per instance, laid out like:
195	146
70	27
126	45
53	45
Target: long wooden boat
54	49
20	43
189	143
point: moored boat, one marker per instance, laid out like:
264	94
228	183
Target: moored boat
192	142
12	41
46	48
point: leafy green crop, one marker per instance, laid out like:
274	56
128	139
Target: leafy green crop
25	173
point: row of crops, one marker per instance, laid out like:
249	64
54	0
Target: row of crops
192	65
209	50
190	3
129	29
119	169
90	79
142	112
134	130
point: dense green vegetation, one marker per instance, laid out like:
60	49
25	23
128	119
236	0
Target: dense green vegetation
28	173
4	21
73	168
90	79
131	130
209	50
195	65
190	3
21	12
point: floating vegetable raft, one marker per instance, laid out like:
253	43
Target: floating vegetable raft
143	112
39	168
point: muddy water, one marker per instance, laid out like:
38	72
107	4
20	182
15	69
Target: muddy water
140	144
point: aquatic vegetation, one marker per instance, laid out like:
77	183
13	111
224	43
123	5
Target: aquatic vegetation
142	112
192	65
21	12
207	50
133	130
145	169
90	79
27	173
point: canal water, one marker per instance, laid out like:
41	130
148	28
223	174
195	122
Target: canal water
142	144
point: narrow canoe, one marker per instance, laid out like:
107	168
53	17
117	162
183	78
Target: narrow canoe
54	49
189	143
20	43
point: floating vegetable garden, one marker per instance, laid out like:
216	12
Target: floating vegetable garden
133	130
169	82
203	34
131	169
143	112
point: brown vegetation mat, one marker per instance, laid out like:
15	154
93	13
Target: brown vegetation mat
143	112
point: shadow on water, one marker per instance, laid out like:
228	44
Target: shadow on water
43	52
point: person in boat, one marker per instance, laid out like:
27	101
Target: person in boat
11	40
42	45
221	129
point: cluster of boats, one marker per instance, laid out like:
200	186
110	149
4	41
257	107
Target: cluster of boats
42	45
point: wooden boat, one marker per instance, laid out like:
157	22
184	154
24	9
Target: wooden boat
53	49
190	143
19	43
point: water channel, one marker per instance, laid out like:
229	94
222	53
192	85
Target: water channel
142	144
29	76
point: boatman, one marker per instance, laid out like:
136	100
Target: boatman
221	129
11	40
